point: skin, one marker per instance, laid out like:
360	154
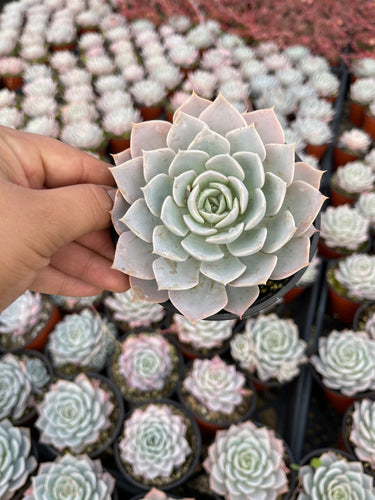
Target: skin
55	202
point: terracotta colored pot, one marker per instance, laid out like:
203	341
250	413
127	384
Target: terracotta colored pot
356	113
338	401
40	341
293	294
64	46
169	115
327	252
341	157
341	307
151	112
338	198
316	150
12	82
369	125
118	144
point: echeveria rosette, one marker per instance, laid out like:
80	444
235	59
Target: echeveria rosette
155	494
215	384
71	478
246	461
16	459
356	274
346	362
344	227
15	388
22	314
73	414
154	442
37	373
270	347
370	326
362	431
210	207
203	334
145	361
335	477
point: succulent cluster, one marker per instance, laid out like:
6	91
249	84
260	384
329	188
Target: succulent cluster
22	315
216	385
211	207
70	477
346	361
269	347
84	340
334	477
202	334
362	431
355	177
154	442
356	275
73	414
15	388
16	459
247	461
344	227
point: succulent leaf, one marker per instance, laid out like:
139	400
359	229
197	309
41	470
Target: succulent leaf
156	162
147	136
267	125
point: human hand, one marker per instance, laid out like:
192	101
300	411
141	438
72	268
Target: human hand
54	206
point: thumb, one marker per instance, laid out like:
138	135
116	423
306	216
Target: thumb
67	213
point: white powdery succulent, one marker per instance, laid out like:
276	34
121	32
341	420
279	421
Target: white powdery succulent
201	82
36	372
135	314
292	136
355	177
313	107
180	23
7	43
214	58
302	91
88	18
40	87
120	121
44	125
59	33
266	48
355	140
253	67
312	64
219	387
154	442
133	72
364	67
79	93
34	105
91	40
63	61
362	91
276	62
22	314
289	76
100	65
202	334
215	205
73	414
346	361
15	388
82	339
260	85
246	461
7	98
12	66
77	111
366	205
35	52
297	52
145	361
183	55
168	75
362	431
344	227
35	71
110	101
70	477
148	92
200	36
17	462
83	135
75	76
356	273
109	83
325	83
335	477
270	347
284	103
235	90
11	117
155	494
313	131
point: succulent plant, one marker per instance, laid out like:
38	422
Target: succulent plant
311	274
155	494
90	40
364	67
60	33
63	61
70	477
43	125
88	18
36	372
78	111
355	140
35	52
154	442
34	106
83	135
270	347
284	103
313	131
289	76
200	36
362	431
370	326
334	477
133	73
110	101
302	91
362	91
168	75
11	117
145	361
356	274
325	83
15	388
73	414
217	386
148	92
214	212
12	66
119	121
297	52
253	67
246	461
17	461
276	61
344	227
312	64
355	177
123	309
7	98
79	93
84	340
75	76
346	361
22	314
41	87
366	206
201	82
313	107
109	83
184	55
99	65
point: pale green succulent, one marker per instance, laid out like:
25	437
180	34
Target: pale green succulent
37	373
212	206
71	478
362	431
16	459
15	388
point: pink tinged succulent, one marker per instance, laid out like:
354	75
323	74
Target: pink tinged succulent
246	461
211	207
202	334
356	273
73	414
355	140
135	314
215	384
16	459
344	227
12	66
15	388
154	442
71	477
145	361
22	315
362	432
155	494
